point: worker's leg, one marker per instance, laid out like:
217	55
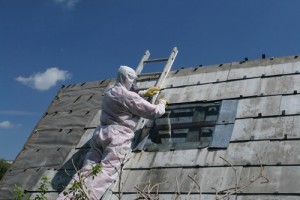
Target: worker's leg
113	156
116	140
93	157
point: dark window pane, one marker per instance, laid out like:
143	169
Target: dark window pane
184	126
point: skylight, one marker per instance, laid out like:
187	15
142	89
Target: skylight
184	126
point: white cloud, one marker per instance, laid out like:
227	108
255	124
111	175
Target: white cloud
6	124
45	80
69	4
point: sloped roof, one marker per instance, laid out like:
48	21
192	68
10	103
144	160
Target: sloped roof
265	134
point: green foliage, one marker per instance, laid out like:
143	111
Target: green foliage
96	169
43	188
19	193
3	167
78	188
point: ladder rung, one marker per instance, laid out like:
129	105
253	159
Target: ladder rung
156	60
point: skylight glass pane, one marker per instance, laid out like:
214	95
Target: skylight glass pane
184	126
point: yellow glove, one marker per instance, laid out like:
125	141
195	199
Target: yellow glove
163	101
151	92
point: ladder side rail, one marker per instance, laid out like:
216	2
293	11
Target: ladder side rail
165	72
142	62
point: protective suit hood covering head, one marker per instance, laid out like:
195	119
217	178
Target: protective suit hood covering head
126	76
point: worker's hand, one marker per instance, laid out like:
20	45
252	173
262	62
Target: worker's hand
164	102
151	92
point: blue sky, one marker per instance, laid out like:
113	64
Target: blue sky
47	43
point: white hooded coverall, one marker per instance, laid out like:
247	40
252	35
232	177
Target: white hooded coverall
121	109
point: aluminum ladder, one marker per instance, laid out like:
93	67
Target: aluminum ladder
159	83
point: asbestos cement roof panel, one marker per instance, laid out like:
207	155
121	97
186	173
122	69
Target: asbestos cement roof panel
186	94
240	154
262	71
85	139
211	92
75	158
264	67
293	68
168	159
85	85
266	106
209	77
268	197
140	160
273	128
290	104
56	137
235	89
235	153
199	75
173	196
146	84
280	85
168	178
266	128
250	69
282	179
136	178
76	99
67	120
176	81
37	156
210	179
94	121
283	153
242	129
25	179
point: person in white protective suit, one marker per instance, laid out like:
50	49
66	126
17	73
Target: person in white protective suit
121	110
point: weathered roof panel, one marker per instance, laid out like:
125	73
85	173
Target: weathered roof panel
280	85
290	104
38	156
207	178
265	125
173	196
260	106
266	128
268	197
281	179
190	94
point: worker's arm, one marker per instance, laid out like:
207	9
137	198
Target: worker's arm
139	106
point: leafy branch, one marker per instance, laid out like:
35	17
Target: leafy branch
20	194
78	188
